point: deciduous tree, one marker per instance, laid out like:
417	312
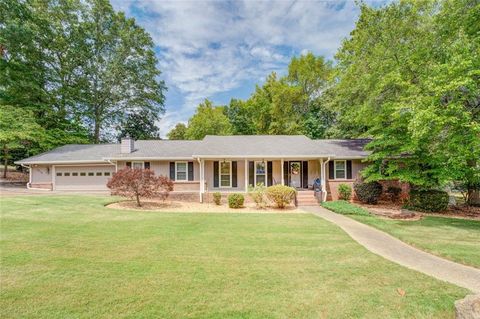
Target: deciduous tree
17	129
408	77
208	120
140	126
178	132
139	183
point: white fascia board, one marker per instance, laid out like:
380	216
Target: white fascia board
149	158
349	157
61	162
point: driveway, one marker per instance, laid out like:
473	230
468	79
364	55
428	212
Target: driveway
19	189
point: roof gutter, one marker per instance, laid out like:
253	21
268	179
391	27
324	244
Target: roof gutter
29	175
61	162
266	156
147	158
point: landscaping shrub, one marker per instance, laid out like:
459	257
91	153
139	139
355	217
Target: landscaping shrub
368	193
139	183
393	193
281	195
428	200
235	200
258	195
344	192
345	208
217	198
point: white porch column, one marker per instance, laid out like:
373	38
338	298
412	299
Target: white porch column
283	173
202	179
322	176
29	176
324	179
54	175
246	175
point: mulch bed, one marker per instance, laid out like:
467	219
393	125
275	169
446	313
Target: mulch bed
188	207
395	211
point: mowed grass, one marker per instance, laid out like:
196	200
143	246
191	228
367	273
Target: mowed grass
70	257
452	238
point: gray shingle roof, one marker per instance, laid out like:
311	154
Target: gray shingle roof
159	148
279	146
74	152
272	146
344	148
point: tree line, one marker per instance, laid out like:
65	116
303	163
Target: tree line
74	71
408	76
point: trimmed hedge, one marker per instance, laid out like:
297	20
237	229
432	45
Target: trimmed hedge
344	192
217	198
235	200
428	200
368	193
281	195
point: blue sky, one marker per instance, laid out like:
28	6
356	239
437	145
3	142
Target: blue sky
220	49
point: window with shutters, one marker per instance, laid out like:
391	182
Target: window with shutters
181	171
225	172
340	169
261	173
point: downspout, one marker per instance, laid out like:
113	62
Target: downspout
324	185
107	160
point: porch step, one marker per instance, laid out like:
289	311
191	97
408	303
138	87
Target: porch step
306	198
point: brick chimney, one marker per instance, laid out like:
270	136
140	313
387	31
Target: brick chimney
126	145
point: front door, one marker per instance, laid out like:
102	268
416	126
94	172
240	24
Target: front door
295	174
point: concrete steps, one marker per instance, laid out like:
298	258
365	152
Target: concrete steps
306	198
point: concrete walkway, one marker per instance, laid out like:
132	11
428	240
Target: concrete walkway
397	251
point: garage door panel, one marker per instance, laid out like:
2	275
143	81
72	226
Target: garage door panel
83	177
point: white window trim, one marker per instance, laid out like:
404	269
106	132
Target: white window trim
220	174
133	164
186	171
255	172
335	169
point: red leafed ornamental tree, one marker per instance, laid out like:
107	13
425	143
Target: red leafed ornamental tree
140	183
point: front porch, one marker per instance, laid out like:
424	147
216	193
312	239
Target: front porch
234	175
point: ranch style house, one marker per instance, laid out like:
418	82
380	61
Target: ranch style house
198	168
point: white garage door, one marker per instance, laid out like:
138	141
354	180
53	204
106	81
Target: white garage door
83	177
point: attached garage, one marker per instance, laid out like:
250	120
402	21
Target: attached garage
92	177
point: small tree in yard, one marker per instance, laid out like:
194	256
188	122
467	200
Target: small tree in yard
139	183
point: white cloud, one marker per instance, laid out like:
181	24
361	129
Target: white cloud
211	47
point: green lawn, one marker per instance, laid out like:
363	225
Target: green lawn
70	257
452	238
